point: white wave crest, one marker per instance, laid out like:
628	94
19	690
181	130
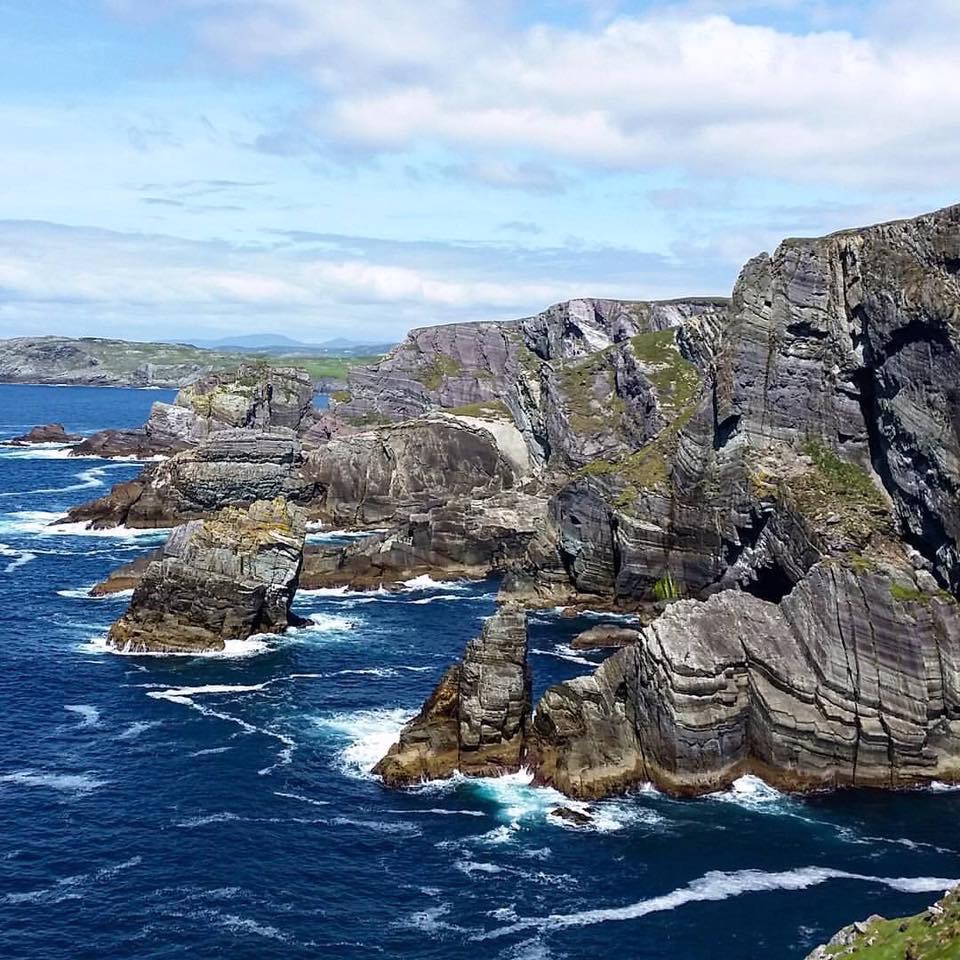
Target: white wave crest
232	649
71	888
750	792
83	593
73	783
369	734
717	885
89	716
45	524
18	558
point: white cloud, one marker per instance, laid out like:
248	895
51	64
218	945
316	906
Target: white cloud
83	281
677	88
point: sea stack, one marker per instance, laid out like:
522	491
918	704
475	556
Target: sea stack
216	580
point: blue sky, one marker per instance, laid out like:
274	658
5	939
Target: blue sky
208	167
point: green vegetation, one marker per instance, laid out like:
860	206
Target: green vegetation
432	374
666	588
341	396
676	380
323	368
833	493
931	935
580	383
910	594
483	410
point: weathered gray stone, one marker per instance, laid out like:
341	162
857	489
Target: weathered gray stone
217	580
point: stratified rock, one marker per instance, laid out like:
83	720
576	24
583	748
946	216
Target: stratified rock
603	636
851	680
253	397
379	475
476	717
47	433
234	467
217	580
463	539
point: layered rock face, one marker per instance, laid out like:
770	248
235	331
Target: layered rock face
233	467
217	580
583	379
463	538
385	474
851	680
475	720
252	397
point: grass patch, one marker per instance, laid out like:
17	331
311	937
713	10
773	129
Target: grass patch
666	588
432	374
341	396
676	380
578	382
926	936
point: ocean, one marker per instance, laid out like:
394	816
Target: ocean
170	807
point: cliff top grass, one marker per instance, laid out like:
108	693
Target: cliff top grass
931	935
831	492
579	382
676	380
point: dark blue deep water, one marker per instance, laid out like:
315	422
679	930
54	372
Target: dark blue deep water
157	807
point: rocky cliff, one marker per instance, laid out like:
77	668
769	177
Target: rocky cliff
217	580
806	471
475	719
252	397
931	935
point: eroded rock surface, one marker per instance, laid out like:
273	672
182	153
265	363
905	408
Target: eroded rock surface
851	680
253	397
217	580
474	721
46	433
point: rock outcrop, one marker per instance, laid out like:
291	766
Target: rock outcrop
234	467
252	397
474	721
380	475
462	539
47	433
931	935
851	680
217	580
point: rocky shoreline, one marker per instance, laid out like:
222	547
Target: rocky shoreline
769	483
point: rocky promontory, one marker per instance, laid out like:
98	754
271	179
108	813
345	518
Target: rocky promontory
768	482
46	433
216	580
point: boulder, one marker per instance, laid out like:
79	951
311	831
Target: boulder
217	580
47	433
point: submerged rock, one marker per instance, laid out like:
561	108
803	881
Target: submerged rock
47	433
217	580
475	719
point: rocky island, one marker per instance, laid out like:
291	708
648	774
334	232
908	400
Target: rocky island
769	483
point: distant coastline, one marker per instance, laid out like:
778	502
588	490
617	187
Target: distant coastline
96	362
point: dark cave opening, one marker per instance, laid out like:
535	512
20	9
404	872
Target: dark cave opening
770	583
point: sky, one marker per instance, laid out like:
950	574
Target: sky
321	168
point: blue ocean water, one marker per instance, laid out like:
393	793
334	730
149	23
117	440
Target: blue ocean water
158	807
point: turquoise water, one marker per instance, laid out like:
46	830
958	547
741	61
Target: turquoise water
156	807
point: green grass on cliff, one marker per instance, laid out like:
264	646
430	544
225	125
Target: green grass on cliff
483	410
932	935
586	412
676	380
432	374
